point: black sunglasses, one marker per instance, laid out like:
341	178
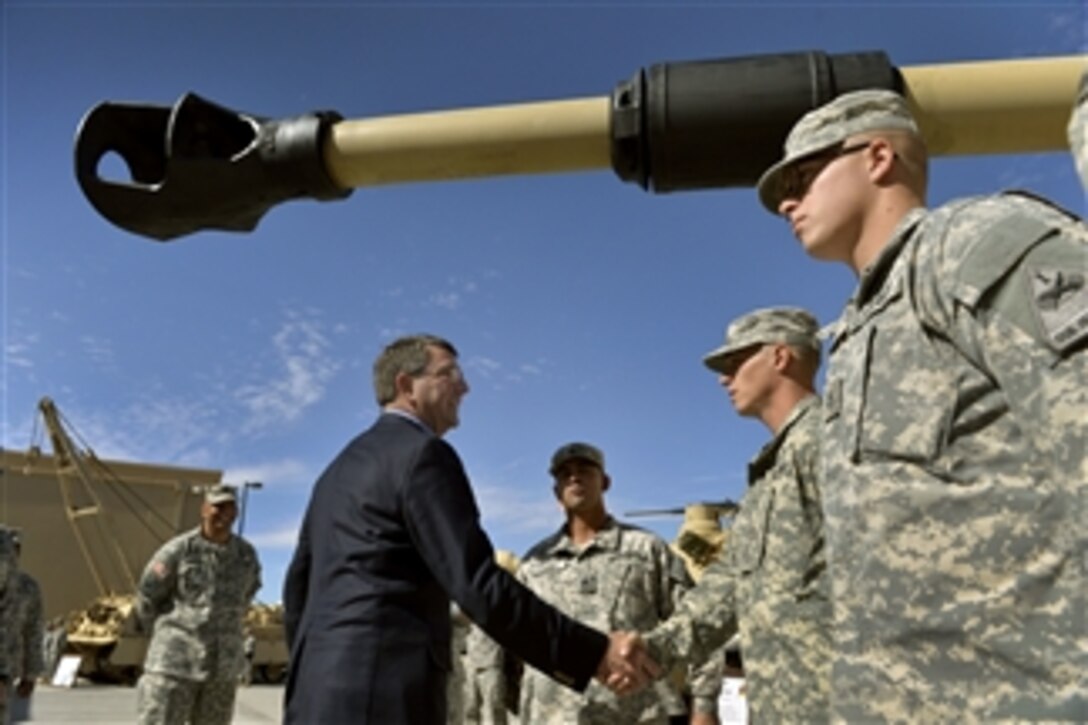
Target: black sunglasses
798	178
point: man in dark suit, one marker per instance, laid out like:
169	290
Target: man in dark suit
391	533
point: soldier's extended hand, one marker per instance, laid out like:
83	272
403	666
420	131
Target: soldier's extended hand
630	666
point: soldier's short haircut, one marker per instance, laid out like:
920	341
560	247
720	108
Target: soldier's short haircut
407	355
808	358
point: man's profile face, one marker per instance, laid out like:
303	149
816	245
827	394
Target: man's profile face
580	485
437	392
749	378
824	210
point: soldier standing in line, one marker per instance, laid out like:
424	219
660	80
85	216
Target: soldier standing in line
612	576
771	583
8	604
485	696
24	640
954	429
455	684
193	598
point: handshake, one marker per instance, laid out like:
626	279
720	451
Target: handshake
627	666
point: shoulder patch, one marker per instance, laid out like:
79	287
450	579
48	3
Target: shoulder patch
1060	300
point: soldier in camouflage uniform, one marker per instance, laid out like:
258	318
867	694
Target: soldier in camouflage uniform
455	683
485	693
27	623
1078	131
771	583
8	604
611	576
193	598
954	429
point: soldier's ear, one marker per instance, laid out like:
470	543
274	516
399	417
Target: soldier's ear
880	159
606	482
782	357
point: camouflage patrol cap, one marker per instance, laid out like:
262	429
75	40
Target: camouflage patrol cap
572	451
789	325
831	124
221	494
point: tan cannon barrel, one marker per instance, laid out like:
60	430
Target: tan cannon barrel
988	107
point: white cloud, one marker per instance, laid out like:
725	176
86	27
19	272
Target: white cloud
504	510
99	350
449	300
287	471
168	430
306	368
17	354
485	367
284	537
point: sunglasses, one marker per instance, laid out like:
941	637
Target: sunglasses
798	178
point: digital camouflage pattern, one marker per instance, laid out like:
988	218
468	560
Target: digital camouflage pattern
455	682
786	325
831	125
169	700
625	579
24	641
771	584
485	682
193	598
8	607
1078	131
955	468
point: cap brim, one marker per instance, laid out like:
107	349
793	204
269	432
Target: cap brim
221	499
770	183
716	359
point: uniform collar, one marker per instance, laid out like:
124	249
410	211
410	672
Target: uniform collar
607	538
870	278
767	454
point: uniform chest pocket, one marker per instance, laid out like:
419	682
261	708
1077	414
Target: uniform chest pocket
193	580
907	395
749	536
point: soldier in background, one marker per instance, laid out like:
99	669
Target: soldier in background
26	620
455	685
486	699
8	604
611	576
953	432
193	598
771	583
1078	130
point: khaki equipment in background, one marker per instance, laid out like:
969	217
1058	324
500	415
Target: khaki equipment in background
90	526
701	538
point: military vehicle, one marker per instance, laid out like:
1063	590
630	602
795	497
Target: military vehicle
89	527
701	538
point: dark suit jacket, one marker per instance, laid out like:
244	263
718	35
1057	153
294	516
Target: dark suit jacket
391	533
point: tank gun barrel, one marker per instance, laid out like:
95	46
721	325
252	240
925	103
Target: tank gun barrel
671	127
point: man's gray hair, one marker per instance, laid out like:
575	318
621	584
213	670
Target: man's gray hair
404	355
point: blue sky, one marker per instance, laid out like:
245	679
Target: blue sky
581	305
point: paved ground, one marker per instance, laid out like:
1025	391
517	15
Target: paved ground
108	704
